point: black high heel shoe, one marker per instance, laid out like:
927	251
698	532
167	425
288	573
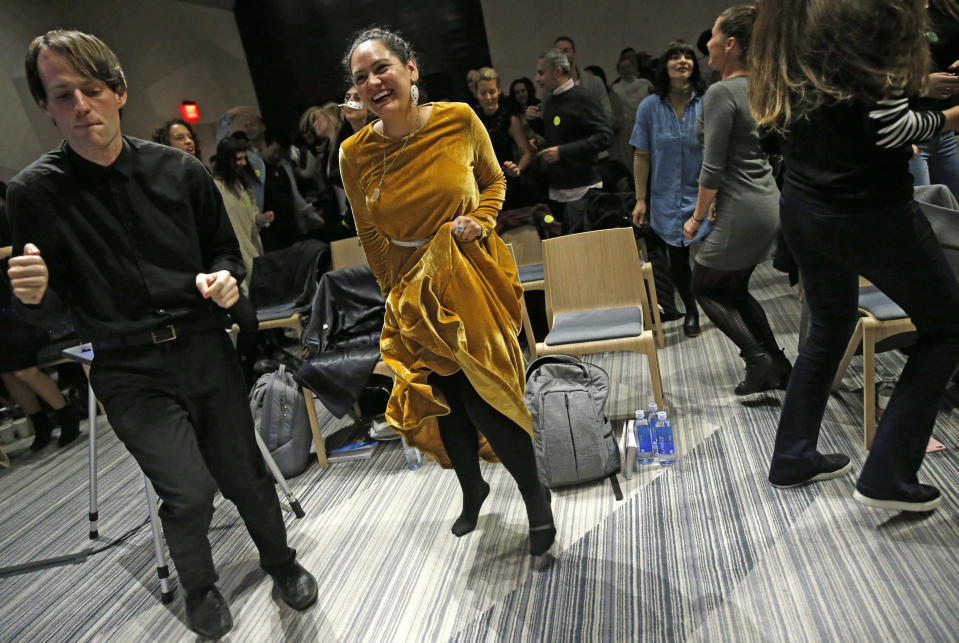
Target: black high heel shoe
541	538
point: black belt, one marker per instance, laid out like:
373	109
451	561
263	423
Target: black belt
160	335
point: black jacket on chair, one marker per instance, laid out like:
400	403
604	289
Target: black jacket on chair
342	340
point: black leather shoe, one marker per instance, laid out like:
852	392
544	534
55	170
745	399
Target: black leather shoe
296	587
207	613
926	498
691	325
833	465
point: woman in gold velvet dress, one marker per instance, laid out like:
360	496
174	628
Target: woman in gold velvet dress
425	189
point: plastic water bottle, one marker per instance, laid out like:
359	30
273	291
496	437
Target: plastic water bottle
667	448
653	418
644	439
414	459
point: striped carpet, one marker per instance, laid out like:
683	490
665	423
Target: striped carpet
705	551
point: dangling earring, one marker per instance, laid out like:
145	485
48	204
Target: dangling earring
415	95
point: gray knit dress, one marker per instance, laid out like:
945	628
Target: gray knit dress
747	205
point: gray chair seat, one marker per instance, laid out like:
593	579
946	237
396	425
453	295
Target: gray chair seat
595	325
879	305
532	272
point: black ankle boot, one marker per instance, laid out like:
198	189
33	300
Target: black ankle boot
42	430
761	373
471	509
69	425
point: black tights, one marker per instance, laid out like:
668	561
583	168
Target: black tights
724	296
681	274
512	445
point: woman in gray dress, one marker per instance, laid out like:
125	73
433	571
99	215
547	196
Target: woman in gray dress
737	181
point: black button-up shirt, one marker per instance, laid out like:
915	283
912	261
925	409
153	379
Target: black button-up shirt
123	243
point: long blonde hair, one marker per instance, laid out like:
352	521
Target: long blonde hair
810	53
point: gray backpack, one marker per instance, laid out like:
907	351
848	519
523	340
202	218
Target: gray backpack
572	438
279	414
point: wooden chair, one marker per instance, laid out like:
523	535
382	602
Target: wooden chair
594	302
347	252
650	317
528	252
880	318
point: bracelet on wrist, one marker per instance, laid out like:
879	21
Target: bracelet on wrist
697	220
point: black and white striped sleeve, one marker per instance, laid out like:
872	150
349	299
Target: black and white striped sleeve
899	125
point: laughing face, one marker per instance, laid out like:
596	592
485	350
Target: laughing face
382	80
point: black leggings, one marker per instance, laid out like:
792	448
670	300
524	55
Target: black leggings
724	296
681	273
512	445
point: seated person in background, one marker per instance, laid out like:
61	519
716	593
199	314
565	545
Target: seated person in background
19	343
235	179
254	129
354	118
293	217
177	133
576	131
505	130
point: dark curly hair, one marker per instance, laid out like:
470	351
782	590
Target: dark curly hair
162	134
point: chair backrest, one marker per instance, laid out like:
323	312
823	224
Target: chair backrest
592	270
527	245
347	253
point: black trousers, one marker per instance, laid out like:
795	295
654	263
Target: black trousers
181	409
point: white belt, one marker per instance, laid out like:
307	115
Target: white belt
412	243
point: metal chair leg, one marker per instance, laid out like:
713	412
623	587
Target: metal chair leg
163	570
94	514
280	480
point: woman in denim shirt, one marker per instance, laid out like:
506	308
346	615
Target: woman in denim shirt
666	164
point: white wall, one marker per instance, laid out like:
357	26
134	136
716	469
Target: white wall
518	30
169	50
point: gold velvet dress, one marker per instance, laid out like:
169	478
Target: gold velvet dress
450	305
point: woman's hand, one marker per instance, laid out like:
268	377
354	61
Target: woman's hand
465	229
265	218
941	85
712	212
510	169
691	227
639	213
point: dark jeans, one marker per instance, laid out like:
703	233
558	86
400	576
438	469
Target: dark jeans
896	250
181	409
671	262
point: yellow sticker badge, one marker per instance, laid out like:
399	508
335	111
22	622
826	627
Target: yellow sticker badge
556	121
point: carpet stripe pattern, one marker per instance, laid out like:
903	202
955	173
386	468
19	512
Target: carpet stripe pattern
703	551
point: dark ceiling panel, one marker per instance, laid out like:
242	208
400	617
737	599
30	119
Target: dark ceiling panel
294	47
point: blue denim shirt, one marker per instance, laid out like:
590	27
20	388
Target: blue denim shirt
675	158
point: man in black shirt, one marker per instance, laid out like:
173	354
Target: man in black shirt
133	239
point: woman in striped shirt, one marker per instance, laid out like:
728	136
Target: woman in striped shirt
831	80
